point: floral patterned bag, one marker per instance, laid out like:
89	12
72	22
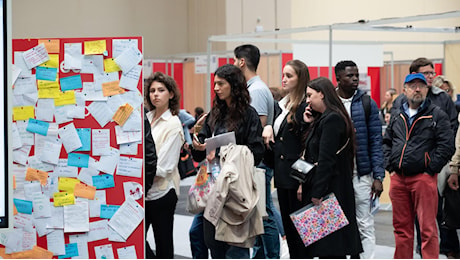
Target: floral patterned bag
198	192
315	222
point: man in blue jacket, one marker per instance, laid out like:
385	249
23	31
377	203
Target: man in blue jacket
368	172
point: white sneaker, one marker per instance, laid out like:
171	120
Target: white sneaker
284	249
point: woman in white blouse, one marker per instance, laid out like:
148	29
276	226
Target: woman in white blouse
162	96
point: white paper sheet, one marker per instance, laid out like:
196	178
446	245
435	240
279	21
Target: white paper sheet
57	218
108	163
101	112
104	252
129	148
41	205
55	241
15	136
98	230
25	85
129	58
130	79
127	218
130	166
124	137
21	64
76	216
119	45
128	252
90	94
95	205
51	150
45	109
82	245
63	170
27	138
92	64
219	140
73	56
100	141
69	137
35	56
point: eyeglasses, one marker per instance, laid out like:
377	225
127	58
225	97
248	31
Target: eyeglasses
415	86
429	73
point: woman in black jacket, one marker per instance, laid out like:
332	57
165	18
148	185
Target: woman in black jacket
287	128
330	143
231	111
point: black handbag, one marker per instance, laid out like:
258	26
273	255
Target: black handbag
186	166
451	209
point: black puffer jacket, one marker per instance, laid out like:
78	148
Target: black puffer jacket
425	146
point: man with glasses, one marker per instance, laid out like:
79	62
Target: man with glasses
417	143
449	244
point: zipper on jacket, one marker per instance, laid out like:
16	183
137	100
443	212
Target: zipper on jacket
408	133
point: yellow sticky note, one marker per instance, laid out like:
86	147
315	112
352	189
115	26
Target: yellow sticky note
65	98
53	62
42	84
37	175
110	65
84	191
122	114
51	45
95	47
111	88
63	198
67	184
48	93
23	113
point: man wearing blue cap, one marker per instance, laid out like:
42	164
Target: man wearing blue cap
418	142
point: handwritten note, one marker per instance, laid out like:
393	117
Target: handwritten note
103	181
70	83
23	113
101	141
107	211
76	216
127	218
51	45
51	150
69	137
129	166
122	114
111	88
36	56
23	206
130	79
85	138
78	160
95	47
101	112
38	127
53	62
45	73
84	191
45	109
67	184
65	98
110	65
71	250
73	56
36	175
63	198
130	57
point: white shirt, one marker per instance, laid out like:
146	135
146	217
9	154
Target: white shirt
168	136
285	110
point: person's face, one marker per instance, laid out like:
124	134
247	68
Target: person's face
236	61
348	79
387	118
429	74
159	95
315	99
388	97
290	79
222	89
416	91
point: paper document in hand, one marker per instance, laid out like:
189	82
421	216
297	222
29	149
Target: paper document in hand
374	204
219	140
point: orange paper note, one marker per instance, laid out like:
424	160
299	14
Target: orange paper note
37	175
112	88
84	191
52	46
122	114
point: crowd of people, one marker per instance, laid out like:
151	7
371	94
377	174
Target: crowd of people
339	129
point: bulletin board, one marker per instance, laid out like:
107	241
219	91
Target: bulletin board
78	151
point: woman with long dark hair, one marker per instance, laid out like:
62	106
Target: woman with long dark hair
231	111
330	143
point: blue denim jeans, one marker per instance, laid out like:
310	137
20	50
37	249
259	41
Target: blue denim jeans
196	234
268	245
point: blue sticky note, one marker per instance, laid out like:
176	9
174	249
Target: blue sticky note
85	138
23	206
71	250
45	73
72	82
38	126
78	160
103	181
107	211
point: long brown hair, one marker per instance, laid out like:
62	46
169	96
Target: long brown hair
298	94
170	85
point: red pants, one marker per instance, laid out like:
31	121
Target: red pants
410	196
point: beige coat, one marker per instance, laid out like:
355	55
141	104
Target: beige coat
232	202
455	162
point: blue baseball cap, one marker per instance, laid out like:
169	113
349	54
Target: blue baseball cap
411	77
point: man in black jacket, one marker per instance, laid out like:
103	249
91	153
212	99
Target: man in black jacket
150	170
418	142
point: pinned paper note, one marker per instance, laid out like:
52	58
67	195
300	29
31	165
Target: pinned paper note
69	137
63	198
110	65
133	190
65	98
45	73
100	141
84	191
73	56
38	127
67	184
95	47
23	206
107	211
51	45
129	80
36	175
122	114
23	113
103	181
70	83
85	138
35	56
76	216
111	88
53	62
129	58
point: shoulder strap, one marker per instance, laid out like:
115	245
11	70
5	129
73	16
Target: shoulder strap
367	106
